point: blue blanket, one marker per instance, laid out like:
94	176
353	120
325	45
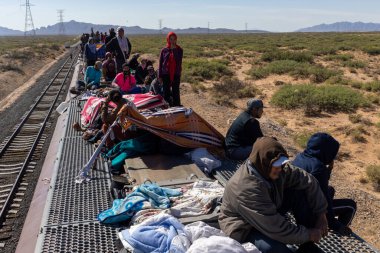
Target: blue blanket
145	196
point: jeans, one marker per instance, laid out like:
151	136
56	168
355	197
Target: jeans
171	90
344	209
239	153
295	201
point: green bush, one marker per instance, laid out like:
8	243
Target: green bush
234	88
355	64
373	174
287	55
372	50
202	69
314	98
11	67
339	57
318	73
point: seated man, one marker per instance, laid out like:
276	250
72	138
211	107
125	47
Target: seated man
244	131
318	160
262	191
141	71
108	118
109	68
91	77
126	82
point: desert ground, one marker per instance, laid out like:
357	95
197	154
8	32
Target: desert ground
309	82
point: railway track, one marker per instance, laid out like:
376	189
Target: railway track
20	152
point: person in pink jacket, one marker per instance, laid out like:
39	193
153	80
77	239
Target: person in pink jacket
126	82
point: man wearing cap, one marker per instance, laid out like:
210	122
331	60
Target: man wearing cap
259	195
244	131
120	47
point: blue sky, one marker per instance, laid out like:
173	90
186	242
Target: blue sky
280	16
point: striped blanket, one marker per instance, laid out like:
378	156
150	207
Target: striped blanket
178	125
92	107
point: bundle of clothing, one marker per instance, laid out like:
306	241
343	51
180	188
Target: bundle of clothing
164	233
147	200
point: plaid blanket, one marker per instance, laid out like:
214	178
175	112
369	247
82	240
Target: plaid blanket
92	107
178	125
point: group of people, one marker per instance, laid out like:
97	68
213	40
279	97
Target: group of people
268	186
122	71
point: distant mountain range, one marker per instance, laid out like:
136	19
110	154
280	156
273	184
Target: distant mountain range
343	27
74	28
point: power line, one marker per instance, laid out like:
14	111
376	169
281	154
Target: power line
61	26
28	19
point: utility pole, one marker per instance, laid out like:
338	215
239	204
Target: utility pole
61	29
28	19
160	26
208	27
246	27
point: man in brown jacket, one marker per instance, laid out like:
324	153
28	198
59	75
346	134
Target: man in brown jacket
262	191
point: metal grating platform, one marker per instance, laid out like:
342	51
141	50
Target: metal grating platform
333	243
73	202
70	221
227	170
85	237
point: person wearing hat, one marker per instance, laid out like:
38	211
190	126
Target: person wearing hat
90	52
318	160
120	47
260	194
244	131
109	68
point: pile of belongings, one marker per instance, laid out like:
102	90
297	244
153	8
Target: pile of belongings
165	233
178	125
149	199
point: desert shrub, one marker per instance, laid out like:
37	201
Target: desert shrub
357	134
372	50
198	87
339	57
202	69
297	69
355	64
301	138
19	55
371	86
355	118
373	174
314	98
11	67
55	47
234	88
374	99
287	55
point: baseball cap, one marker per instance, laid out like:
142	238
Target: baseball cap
280	161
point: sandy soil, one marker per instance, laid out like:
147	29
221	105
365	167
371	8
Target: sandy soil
349	177
13	84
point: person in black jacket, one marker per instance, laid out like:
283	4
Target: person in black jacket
318	160
244	131
141	71
111	36
120	47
